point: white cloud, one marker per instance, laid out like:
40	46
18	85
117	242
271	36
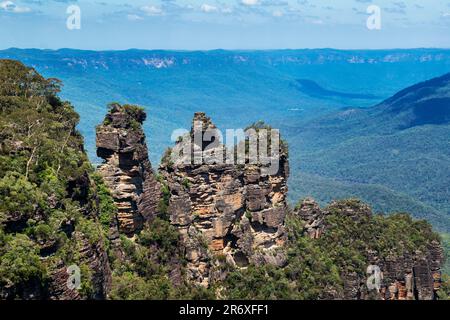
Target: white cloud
134	17
208	8
277	13
227	10
250	2
152	10
12	7
317	21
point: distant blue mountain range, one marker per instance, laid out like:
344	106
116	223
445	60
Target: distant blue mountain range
318	98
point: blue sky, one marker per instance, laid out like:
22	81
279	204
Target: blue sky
226	24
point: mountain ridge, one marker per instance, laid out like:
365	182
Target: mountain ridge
430	102
401	143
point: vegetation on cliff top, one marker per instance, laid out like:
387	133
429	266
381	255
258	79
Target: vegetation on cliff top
135	114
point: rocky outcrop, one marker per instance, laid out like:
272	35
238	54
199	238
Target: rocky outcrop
408	275
312	215
221	209
235	213
126	169
95	258
415	276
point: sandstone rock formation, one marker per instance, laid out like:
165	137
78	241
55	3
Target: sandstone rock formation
223	209
408	275
235	213
126	169
312	215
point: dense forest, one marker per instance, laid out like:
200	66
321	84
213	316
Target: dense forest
394	155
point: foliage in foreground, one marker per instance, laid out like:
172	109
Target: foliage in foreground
44	183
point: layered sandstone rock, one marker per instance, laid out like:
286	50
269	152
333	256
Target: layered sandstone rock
411	275
235	211
312	215
95	257
415	276
126	169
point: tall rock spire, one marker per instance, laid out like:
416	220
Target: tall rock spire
224	209
126	168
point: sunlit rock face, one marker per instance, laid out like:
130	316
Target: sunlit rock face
224	209
126	168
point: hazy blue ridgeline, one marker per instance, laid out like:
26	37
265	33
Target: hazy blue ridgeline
240	87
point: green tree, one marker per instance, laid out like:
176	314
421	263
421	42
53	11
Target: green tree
20	261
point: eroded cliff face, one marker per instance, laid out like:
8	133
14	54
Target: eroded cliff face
94	256
126	169
49	213
407	274
233	211
82	247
